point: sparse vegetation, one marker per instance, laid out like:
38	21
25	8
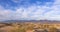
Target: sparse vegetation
29	27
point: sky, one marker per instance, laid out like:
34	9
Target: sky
29	10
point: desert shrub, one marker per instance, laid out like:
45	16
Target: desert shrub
18	30
53	29
45	30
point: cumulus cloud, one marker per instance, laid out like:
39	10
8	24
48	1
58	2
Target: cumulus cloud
33	12
16	1
54	14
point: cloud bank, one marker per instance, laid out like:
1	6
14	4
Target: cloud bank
36	11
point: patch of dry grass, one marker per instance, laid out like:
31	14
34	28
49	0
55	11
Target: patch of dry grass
28	27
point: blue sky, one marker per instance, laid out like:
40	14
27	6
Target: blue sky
12	4
29	9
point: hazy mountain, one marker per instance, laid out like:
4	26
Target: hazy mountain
34	21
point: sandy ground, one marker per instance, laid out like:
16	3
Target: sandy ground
6	29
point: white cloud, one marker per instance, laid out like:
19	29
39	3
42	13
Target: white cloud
54	14
16	1
33	12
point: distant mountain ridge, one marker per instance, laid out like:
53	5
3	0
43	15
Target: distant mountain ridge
34	21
